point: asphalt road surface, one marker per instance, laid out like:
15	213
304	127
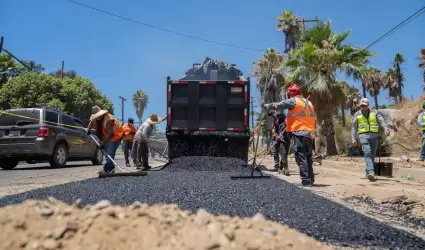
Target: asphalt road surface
26	177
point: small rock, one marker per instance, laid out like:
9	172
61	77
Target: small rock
20	224
229	234
45	211
67	211
202	217
101	205
52	200
78	204
271	231
258	217
409	201
59	232
51	244
135	205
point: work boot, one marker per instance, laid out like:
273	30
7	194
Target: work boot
147	167
371	177
276	167
127	164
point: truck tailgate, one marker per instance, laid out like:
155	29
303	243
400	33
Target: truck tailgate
208	105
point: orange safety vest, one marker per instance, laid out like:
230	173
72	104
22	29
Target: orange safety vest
302	117
118	129
129	132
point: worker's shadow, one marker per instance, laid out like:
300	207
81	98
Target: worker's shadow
266	170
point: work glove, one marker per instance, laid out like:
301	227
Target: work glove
387	131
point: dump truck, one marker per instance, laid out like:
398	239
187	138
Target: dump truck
208	112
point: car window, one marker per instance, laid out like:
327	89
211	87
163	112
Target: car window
79	124
68	121
52	118
20	117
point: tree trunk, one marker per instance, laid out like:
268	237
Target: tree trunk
364	89
376	101
325	136
343	115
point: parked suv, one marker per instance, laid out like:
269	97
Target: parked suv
36	135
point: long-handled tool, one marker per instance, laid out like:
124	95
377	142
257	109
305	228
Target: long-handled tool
123	172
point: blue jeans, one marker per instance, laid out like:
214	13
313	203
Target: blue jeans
111	149
369	146
422	157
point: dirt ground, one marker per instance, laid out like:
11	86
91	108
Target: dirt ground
54	225
397	200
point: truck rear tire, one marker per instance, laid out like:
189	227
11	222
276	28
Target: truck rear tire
8	164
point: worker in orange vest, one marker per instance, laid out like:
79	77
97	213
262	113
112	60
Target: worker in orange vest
301	122
109	131
128	139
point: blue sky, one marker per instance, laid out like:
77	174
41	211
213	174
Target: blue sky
121	57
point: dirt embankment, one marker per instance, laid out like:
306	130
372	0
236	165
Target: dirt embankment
406	140
52	224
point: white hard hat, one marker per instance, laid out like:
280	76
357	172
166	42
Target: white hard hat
364	101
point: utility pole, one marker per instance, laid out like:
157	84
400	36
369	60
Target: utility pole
17	59
1	43
122	107
252	119
63	64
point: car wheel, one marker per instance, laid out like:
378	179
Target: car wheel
59	156
98	157
8	164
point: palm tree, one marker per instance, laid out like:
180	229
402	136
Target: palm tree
315	63
398	61
375	80
421	64
270	80
140	102
352	98
7	63
392	85
292	26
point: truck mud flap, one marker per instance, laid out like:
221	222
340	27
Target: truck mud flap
216	144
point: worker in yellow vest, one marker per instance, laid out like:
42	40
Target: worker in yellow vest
366	123
421	123
128	139
301	122
109	131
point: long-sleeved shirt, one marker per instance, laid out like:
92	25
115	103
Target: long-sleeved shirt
144	132
287	104
421	123
354	126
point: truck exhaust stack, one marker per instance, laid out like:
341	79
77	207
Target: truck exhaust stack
209	110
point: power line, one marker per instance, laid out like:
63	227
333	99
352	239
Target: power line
406	21
162	29
401	25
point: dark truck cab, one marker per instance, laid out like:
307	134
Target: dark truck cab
209	110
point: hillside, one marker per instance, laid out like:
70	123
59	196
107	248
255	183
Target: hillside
406	139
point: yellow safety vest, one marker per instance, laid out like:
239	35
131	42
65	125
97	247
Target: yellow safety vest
423	121
367	125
